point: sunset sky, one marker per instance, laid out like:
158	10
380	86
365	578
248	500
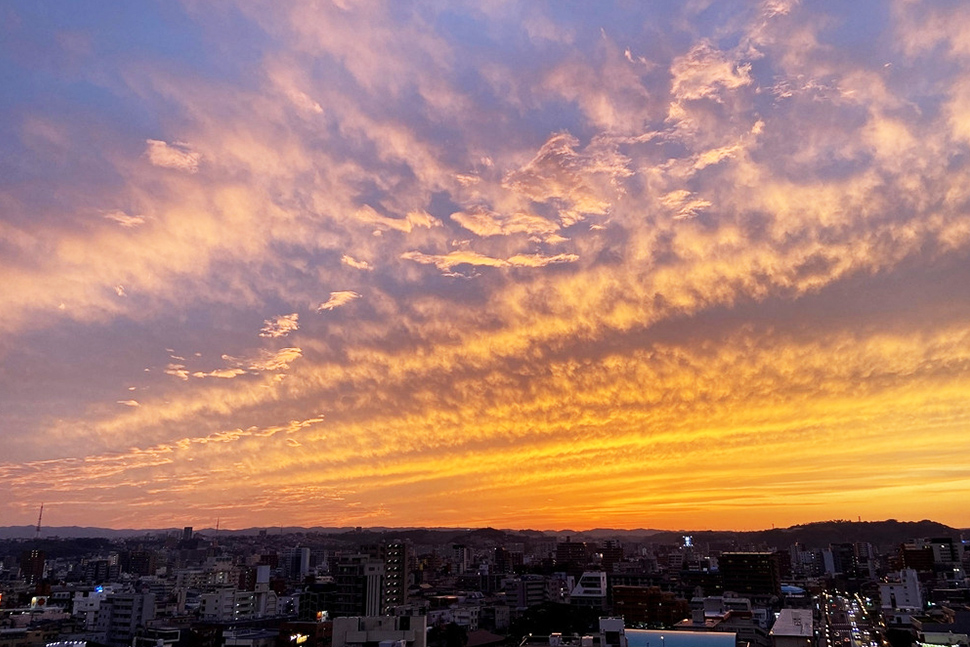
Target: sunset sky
672	264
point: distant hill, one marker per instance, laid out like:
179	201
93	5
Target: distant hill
882	534
70	532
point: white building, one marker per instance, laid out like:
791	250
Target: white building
120	615
793	628
903	592
590	591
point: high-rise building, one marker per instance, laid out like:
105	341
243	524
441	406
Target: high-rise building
296	563
462	558
572	556
755	573
121	615
397	556
506	560
32	566
612	552
526	591
360	586
138	562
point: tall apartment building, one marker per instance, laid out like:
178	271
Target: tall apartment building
32	566
360	586
526	591
228	604
120	615
462	558
296	563
572	556
755	573
397	556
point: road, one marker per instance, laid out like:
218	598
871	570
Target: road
846	622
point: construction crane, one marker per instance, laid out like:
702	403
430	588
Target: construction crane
39	517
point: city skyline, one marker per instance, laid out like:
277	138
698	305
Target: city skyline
503	264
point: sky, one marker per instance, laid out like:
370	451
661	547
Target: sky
675	264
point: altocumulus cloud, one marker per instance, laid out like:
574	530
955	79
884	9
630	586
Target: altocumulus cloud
280	326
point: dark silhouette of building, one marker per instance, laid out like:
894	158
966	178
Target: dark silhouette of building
360	586
32	566
649	605
572	556
138	562
612	552
751	574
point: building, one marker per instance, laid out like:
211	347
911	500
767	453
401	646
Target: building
793	628
572	556
526	591
728	614
296	563
462	558
750	574
86	604
591	591
305	634
380	631
138	562
359	586
122	615
611	554
32	566
902	592
649	605
396	556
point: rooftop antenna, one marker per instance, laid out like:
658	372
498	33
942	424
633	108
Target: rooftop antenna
39	517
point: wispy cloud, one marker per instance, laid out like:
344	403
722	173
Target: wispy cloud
356	264
484	222
447	262
337	299
124	219
280	326
266	360
176	156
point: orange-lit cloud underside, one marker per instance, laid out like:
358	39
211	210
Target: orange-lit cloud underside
374	275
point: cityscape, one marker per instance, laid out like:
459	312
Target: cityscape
484	323
868	586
